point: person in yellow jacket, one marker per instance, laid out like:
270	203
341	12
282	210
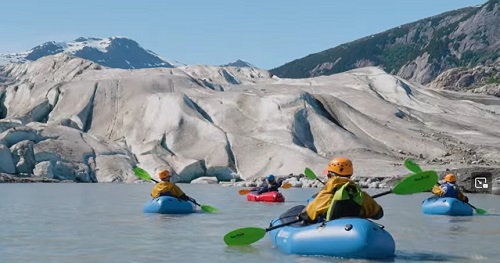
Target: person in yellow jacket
340	197
167	188
449	188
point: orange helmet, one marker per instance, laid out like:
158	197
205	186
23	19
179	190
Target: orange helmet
450	178
163	174
341	166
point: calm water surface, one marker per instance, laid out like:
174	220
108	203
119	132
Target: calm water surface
104	223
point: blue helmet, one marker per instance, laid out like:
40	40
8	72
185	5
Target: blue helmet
270	178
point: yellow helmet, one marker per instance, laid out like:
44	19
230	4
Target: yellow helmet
341	166
163	174
450	178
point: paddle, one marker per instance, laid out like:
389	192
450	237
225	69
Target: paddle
414	183
405	186
479	211
142	174
246	191
311	175
412	166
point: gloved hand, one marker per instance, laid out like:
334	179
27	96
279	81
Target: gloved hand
280	181
304	216
466	199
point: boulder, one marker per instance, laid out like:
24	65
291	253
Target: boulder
205	180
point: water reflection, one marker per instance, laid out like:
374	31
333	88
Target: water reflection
241	250
118	231
430	256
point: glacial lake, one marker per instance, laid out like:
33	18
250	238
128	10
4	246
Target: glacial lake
104	223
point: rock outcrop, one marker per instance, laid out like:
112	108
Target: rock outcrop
480	79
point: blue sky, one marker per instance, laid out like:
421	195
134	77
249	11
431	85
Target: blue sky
265	33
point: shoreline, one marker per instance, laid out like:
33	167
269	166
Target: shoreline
297	181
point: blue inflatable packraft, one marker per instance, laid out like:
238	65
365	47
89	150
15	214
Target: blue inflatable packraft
446	206
169	205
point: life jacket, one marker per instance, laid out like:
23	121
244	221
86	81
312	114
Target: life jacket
166	189
346	202
449	190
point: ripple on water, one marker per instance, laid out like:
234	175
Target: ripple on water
432	256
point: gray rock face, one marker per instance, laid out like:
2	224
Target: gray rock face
23	156
495	188
96	125
7	178
6	162
480	79
205	180
62	153
44	169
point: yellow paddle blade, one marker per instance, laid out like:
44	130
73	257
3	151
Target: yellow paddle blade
244	191
286	185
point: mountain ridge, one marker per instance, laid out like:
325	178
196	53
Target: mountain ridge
418	51
114	52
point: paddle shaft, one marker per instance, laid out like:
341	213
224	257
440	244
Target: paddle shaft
282	225
472	206
374	196
194	201
246	191
382	194
320	181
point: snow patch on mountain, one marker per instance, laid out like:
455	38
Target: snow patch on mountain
113	52
81	42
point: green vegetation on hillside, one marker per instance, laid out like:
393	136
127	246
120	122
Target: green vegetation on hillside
396	47
492	79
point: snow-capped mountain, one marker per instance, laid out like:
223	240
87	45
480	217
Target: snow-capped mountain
239	64
114	52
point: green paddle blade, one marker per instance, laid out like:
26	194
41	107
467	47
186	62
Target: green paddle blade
244	236
412	166
209	209
309	173
142	174
416	183
480	211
